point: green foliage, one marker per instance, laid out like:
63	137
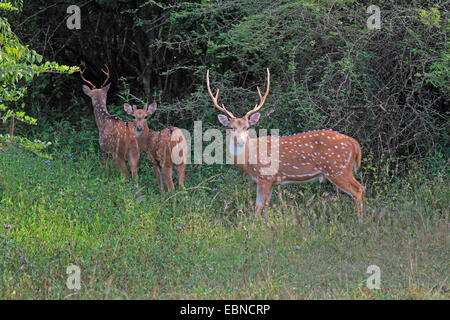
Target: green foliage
430	17
18	66
7	6
438	75
387	88
35	146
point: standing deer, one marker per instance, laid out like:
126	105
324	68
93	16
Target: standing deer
116	136
300	157
164	149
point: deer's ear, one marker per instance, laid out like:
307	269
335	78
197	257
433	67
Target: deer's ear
86	90
106	88
223	120
254	118
128	109
151	108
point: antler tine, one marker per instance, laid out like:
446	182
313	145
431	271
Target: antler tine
214	99
87	81
107	75
262	99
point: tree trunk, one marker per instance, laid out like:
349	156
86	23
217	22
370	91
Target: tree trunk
11	128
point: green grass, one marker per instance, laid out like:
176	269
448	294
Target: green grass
133	243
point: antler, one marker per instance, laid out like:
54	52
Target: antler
214	99
87	81
261	98
107	75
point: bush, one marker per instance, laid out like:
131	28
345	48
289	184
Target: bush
387	88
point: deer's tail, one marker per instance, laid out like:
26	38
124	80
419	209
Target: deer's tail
357	163
178	146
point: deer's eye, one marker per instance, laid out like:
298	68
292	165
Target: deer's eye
145	117
134	117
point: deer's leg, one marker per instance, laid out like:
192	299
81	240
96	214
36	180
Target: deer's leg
157	170
181	169
158	174
105	159
266	204
105	156
121	165
359	200
133	160
263	191
351	186
167	175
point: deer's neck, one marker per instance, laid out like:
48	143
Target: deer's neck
147	139
240	154
100	113
255	154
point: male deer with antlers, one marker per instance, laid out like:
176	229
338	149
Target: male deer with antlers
164	149
116	136
300	157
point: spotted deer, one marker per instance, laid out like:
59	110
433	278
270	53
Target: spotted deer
116	137
165	149
301	157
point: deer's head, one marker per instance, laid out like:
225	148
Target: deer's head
239	126
140	116
98	96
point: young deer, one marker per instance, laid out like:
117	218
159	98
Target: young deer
164	149
116	136
300	157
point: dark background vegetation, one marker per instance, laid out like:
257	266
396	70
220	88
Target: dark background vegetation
387	88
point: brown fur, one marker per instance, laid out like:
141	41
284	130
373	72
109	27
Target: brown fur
116	136
159	147
301	157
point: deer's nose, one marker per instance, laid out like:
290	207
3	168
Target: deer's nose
139	128
240	139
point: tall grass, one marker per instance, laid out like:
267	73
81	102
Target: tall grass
131	242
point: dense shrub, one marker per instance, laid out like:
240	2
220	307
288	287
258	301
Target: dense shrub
388	88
